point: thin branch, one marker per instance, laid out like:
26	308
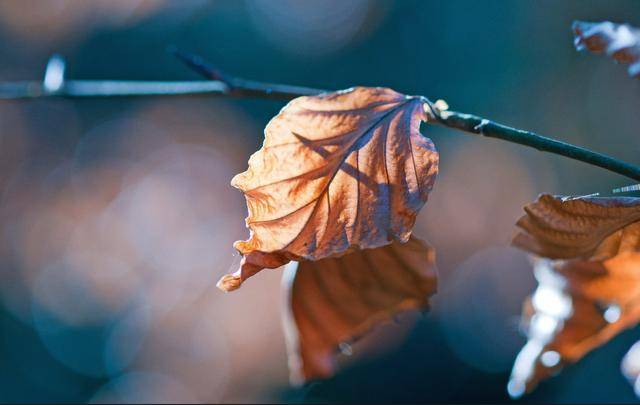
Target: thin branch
482	126
464	122
109	88
130	88
242	88
54	85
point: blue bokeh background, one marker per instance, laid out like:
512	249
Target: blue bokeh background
117	218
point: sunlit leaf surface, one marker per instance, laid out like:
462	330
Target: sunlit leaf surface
337	172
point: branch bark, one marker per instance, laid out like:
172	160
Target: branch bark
481	126
221	84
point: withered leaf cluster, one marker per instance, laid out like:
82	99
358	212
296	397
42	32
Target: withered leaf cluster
586	255
335	191
587	263
336	187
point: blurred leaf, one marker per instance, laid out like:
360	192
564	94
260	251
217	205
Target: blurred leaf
337	172
335	301
619	41
585	299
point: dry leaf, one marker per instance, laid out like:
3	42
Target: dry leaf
337	172
619	41
563	228
590	293
334	301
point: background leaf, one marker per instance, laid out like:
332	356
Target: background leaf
336	300
619	41
588	298
561	228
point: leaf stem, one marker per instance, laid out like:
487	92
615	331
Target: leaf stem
221	84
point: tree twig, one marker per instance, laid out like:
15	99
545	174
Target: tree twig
481	126
238	87
54	84
222	84
464	122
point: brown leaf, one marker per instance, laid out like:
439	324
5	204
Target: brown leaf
337	172
584	300
619	41
337	300
560	228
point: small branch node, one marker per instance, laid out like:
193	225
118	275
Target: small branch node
200	66
54	75
441	105
480	127
432	110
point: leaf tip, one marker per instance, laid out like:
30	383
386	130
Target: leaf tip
229	282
